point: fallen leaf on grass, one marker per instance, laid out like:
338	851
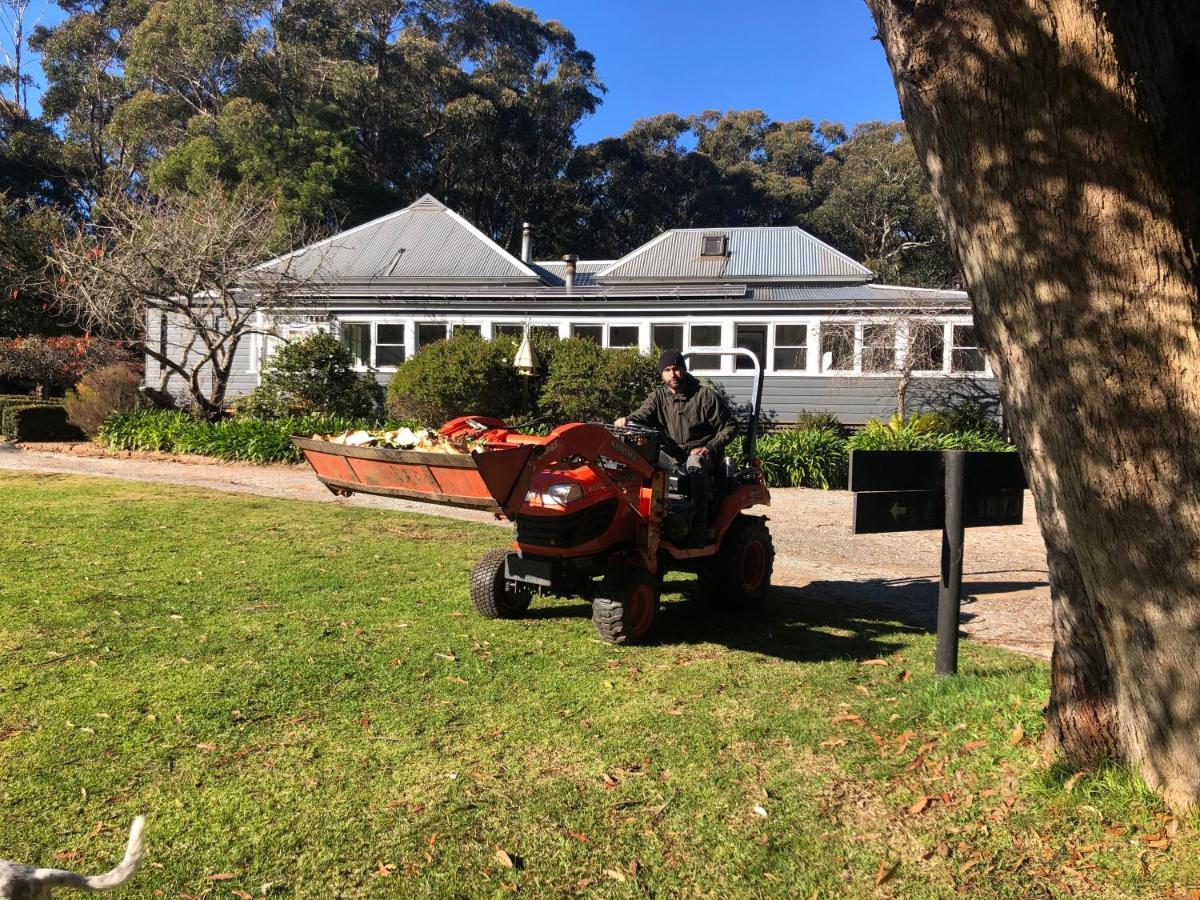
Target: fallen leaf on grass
875	662
504	859
847	717
242	895
207	748
1069	784
759	811
383	870
1018	735
579	836
918	806
904	675
609	781
615	874
449	657
885	872
221	876
458	680
834	742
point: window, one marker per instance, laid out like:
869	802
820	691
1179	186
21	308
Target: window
966	355
926	345
837	348
593	333
879	348
508	329
701	337
714	245
791	348
430	333
666	337
389	345
754	339
356	336
623	335
477	329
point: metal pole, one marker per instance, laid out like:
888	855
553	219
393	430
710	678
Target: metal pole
950	589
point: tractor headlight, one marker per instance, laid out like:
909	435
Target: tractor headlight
555	495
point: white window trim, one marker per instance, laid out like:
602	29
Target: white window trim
728	325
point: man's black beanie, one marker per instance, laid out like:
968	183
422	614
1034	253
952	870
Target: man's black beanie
671	358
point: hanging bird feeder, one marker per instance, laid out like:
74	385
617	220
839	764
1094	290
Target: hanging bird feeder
525	361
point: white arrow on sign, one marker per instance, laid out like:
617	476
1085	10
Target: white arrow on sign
898	510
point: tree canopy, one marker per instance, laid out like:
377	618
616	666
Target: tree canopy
344	110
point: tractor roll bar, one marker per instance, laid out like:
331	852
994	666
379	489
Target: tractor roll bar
750	442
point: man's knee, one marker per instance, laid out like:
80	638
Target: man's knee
698	463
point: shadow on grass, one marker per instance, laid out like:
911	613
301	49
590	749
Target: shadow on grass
822	620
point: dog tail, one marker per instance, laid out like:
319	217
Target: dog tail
111	879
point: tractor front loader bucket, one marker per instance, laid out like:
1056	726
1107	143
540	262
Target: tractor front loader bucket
493	478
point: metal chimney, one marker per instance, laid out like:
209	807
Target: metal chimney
526	242
569	275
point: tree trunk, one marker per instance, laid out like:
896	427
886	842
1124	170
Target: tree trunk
1059	137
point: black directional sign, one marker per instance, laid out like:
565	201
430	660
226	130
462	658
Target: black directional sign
921	470
907	490
882	511
904	490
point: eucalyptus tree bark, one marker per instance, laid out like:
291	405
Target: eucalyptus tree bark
1060	139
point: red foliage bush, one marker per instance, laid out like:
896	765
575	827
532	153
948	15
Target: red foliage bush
56	361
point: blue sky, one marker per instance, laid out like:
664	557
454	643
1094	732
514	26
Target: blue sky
791	58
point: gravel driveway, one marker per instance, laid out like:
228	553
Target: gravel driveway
1005	593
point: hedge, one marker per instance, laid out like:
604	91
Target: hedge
37	422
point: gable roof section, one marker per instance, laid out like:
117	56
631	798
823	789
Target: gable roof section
754	255
425	242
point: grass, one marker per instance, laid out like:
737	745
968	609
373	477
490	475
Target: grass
299	697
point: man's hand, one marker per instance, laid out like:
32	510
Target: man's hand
621	421
702	451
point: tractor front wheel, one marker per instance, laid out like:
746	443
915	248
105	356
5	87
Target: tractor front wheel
493	595
626	606
740	574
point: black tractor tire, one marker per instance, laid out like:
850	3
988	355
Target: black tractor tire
491	593
740	572
626	606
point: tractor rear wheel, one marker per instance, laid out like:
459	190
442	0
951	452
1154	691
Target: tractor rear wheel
740	573
493	595
626	606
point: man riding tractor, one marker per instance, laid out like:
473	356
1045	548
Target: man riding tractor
696	425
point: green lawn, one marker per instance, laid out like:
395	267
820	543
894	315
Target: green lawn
300	695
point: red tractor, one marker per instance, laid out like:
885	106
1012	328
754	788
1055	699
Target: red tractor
595	515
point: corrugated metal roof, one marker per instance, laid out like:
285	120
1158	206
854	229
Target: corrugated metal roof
424	242
860	293
754	254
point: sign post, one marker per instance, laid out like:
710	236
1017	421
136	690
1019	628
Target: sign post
950	588
920	490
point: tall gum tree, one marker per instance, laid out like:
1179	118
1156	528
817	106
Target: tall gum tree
1059	137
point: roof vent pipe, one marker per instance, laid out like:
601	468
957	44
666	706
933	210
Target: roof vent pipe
569	275
526	242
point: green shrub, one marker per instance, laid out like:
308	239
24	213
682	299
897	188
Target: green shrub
459	376
312	377
37	422
103	393
817	420
812	457
239	439
924	431
587	383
